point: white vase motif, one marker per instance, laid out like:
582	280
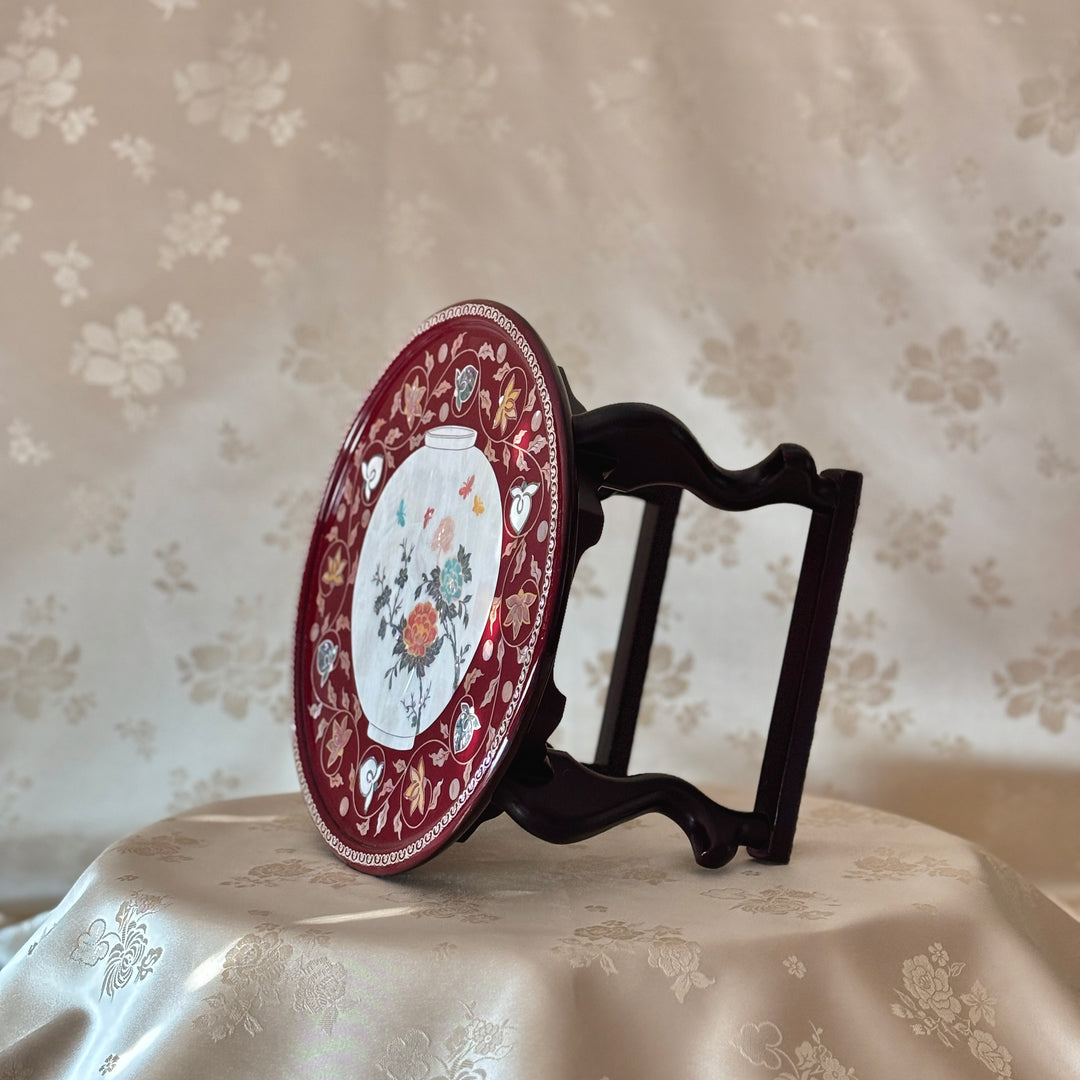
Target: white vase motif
424	584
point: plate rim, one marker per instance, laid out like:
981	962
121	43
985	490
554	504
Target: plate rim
463	812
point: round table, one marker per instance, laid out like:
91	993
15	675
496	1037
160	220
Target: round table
230	941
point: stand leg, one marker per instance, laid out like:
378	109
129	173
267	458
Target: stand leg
802	673
636	632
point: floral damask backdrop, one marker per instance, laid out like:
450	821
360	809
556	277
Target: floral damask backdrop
850	225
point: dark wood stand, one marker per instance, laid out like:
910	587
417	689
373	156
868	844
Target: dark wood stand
640	450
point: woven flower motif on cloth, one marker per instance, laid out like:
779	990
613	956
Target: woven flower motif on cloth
125	950
466	1053
931	999
762	1044
667	950
271	968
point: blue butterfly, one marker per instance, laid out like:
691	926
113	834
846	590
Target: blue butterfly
401	513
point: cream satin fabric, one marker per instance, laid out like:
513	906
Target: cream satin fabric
230	941
846	223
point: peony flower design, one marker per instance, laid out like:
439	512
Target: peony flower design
263	970
600	942
255	965
320	990
451	580
436	620
465	1051
929	999
421	630
678	959
930	987
443	537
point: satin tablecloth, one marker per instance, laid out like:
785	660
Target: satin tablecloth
229	941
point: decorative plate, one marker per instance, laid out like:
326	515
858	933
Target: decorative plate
433	589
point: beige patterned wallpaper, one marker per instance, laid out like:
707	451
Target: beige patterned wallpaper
851	225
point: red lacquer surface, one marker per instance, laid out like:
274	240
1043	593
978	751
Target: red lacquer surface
386	802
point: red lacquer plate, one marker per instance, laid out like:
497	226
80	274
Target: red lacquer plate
433	589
